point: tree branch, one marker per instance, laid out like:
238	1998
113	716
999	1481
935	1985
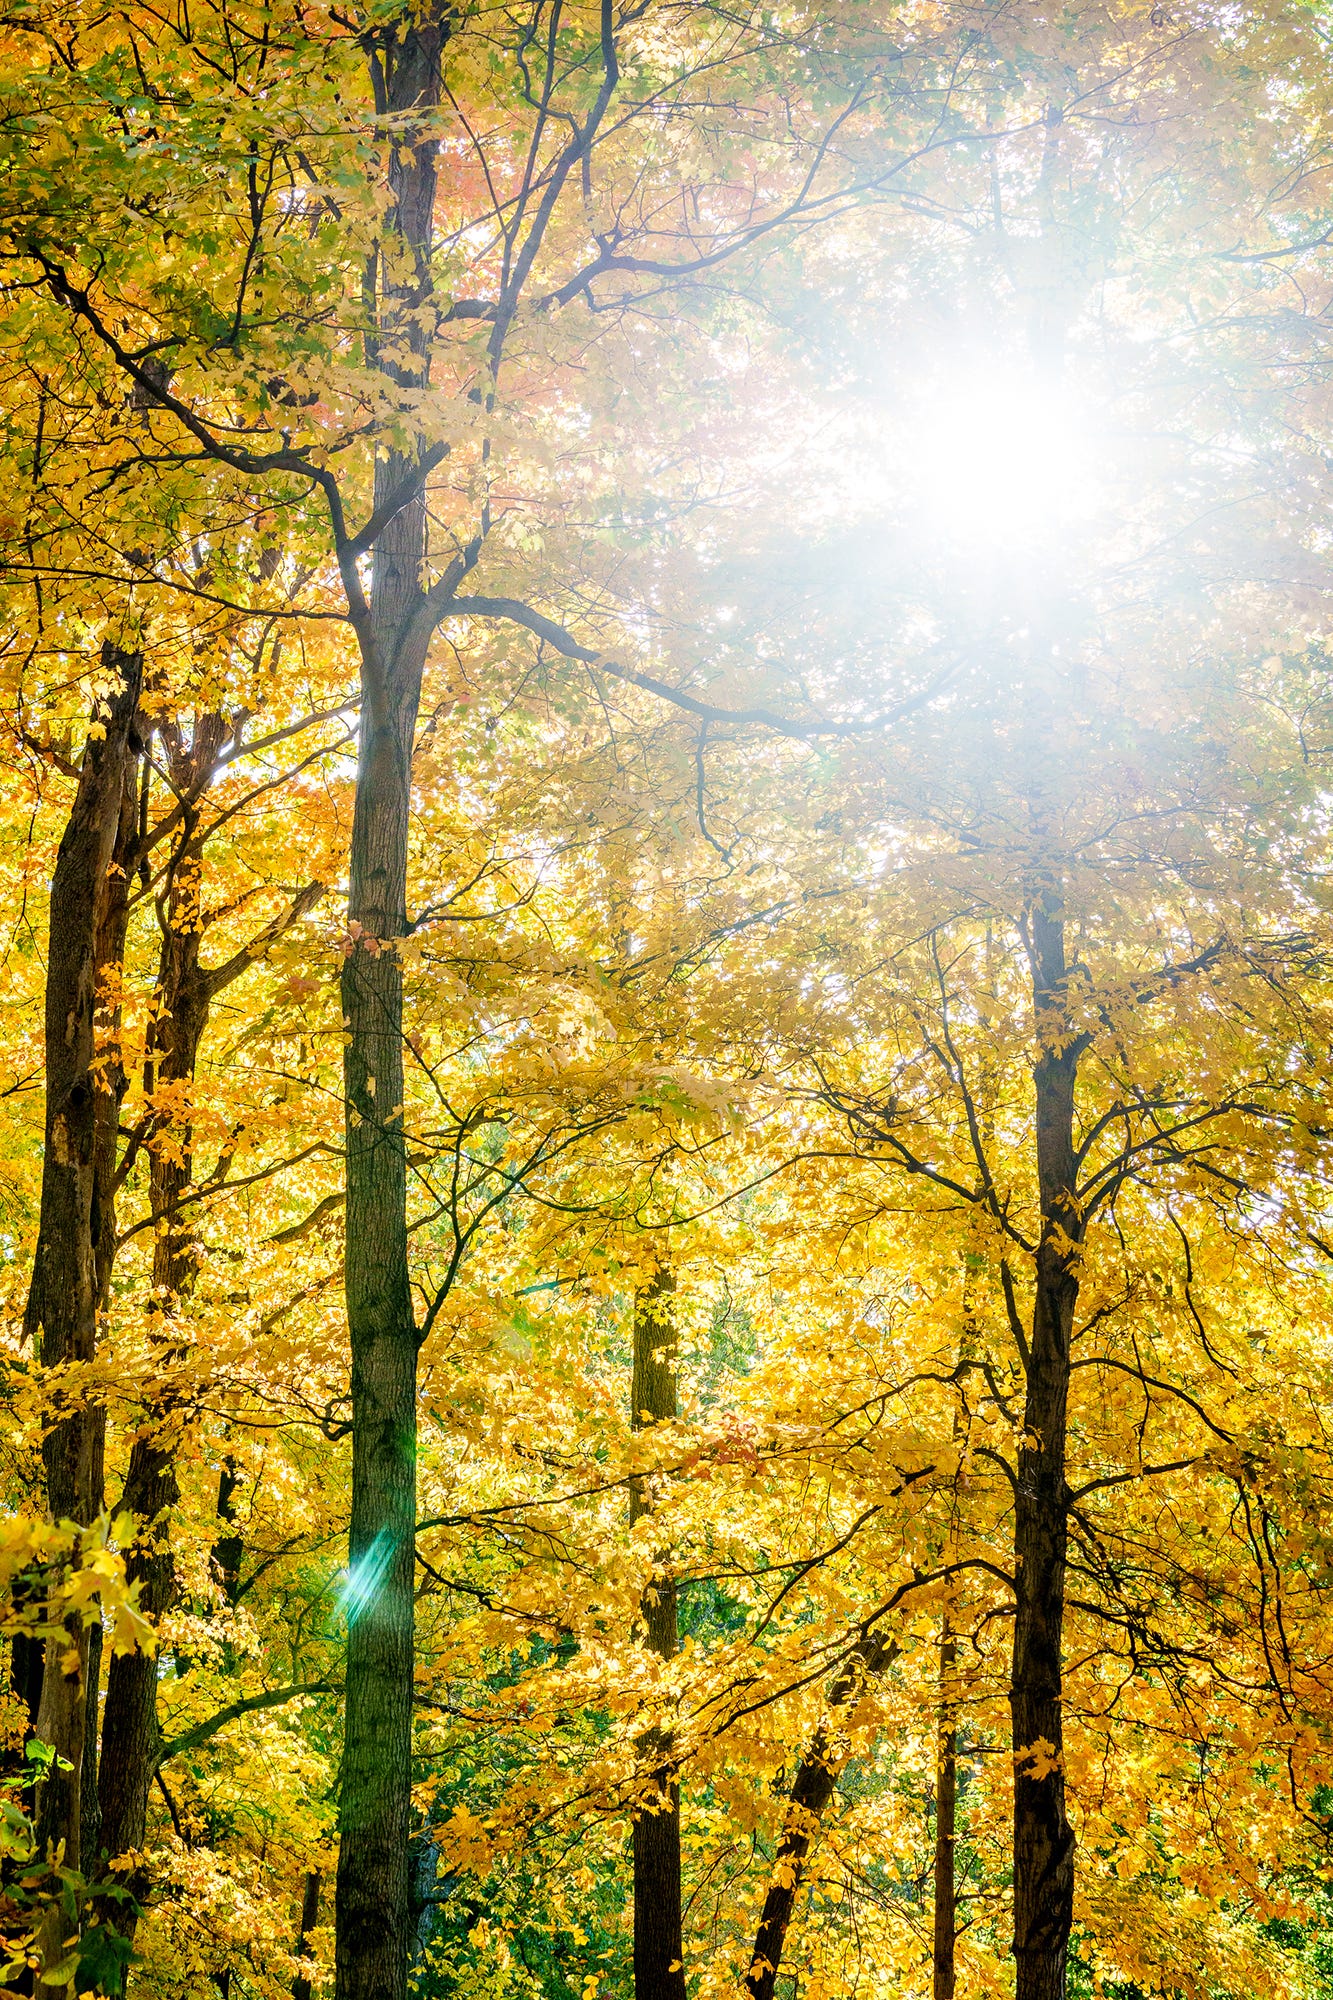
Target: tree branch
555	635
190	1739
222	975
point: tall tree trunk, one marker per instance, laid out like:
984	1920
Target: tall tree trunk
129	1728
1043	1837
309	1918
114	1082
659	1972
373	1889
945	1921
946	1814
25	1683
25	1671
815	1783
184	994
63	1298
90	1806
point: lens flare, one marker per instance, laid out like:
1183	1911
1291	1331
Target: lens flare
996	458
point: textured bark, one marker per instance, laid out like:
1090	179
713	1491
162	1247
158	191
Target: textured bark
658	1942
129	1724
27	1657
1043	1837
945	1928
430	1890
372	1898
63	1298
814	1786
816	1781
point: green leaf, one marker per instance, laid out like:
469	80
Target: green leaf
61	1974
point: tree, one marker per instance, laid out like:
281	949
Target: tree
184	993
64	1296
659	1950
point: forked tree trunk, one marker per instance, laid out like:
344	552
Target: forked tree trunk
659	1972
26	1667
372	1895
63	1298
129	1727
184	994
1043	1837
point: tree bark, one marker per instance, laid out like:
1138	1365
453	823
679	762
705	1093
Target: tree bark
815	1783
63	1298
1043	1837
659	1972
372	1895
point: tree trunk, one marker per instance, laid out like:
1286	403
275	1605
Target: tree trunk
90	1806
1043	1838
229	1547
25	1673
63	1298
114	1082
309	1918
184	993
814	1786
129	1725
27	1654
946	1814
181	1003
659	1972
25	1683
945	1923
429	1891
372	1897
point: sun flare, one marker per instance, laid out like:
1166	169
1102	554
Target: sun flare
994	458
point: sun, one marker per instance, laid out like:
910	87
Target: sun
994	458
